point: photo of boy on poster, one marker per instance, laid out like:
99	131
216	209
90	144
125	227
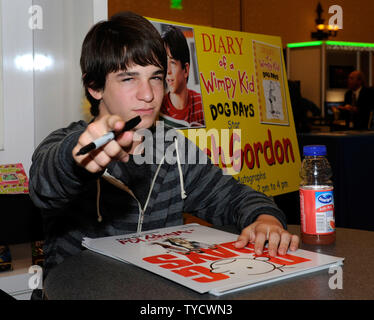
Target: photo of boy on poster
182	106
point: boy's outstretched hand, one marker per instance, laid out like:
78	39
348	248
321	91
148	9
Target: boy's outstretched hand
97	160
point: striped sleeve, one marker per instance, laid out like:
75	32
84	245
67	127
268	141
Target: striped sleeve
54	177
220	199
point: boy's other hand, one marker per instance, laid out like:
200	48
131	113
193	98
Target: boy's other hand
267	227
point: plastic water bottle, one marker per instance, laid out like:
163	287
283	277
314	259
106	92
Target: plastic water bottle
316	197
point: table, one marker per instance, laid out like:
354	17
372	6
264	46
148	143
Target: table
21	220
89	275
5	297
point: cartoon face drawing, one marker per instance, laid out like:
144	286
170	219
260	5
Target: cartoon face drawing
244	266
273	99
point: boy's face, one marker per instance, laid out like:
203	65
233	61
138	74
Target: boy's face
136	91
176	77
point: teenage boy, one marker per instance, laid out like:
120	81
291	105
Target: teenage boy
106	192
183	105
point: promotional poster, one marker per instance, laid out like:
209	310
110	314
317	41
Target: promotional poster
233	102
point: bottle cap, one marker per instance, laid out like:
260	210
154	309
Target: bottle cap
314	150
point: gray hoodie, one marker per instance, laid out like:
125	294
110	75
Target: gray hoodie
77	204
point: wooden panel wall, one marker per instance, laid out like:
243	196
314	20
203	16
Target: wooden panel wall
292	20
215	13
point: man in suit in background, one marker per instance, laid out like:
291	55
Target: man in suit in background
358	102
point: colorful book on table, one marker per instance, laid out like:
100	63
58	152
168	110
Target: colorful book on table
13	179
205	259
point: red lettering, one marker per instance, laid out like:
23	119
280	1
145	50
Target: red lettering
216	150
221	45
250	164
278	146
206	37
268	144
288	146
241	81
214	42
130	240
220	252
199	270
220	84
286	259
233	154
230	43
230	245
273	153
200	258
258	147
209	86
239	43
166	261
226	45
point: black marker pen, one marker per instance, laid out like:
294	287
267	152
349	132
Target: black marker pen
131	124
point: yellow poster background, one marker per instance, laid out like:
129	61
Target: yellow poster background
258	150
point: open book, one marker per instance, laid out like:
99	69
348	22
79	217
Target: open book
205	259
179	124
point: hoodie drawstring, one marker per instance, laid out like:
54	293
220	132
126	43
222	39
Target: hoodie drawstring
99	216
183	192
141	211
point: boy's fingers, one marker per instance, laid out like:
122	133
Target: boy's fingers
115	123
247	235
100	157
284	242
295	240
274	239
113	149
125	139
90	165
97	160
260	241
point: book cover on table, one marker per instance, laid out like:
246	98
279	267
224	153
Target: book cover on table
205	259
